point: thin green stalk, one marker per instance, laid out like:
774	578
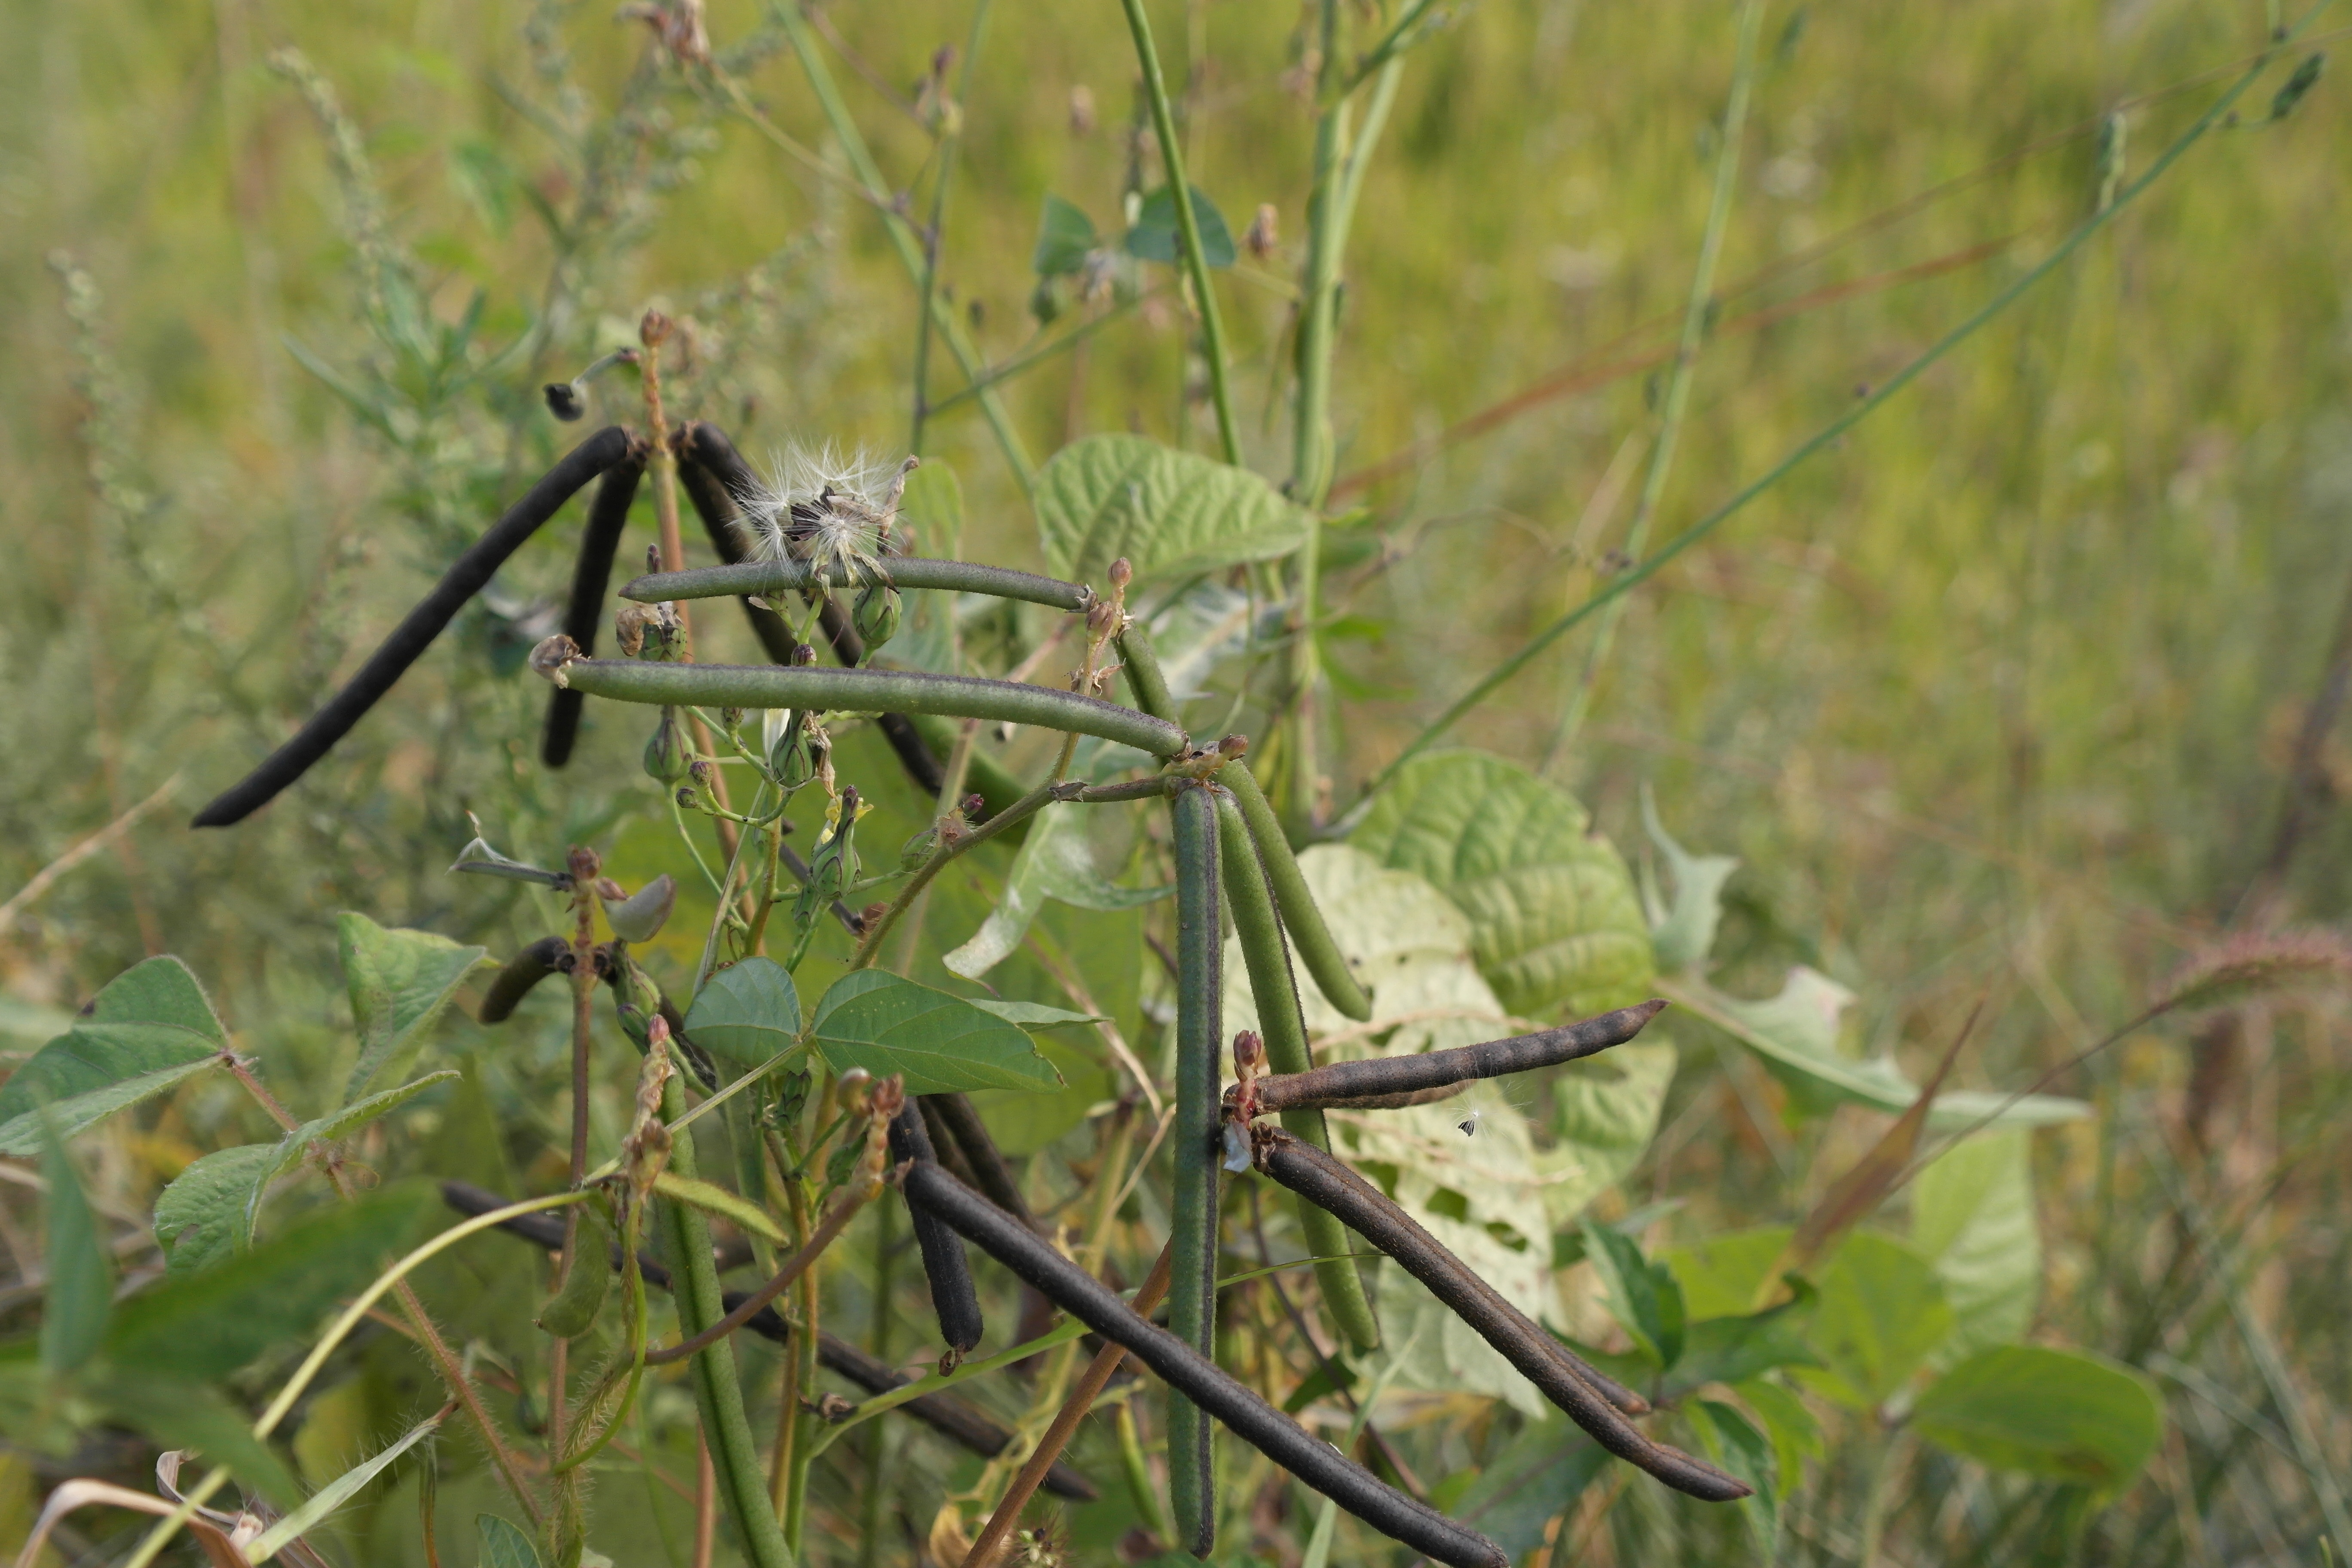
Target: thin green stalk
1626	582
950	143
1193	1138
1019	362
819	689
1696	312
718	1395
787	15
1188	228
1285	1030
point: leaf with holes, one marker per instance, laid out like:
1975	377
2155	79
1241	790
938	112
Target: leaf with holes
1171	513
942	1044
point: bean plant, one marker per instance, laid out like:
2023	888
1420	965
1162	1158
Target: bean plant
794	1103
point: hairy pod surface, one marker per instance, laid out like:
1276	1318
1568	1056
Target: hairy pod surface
953	1298
591	571
1378	1082
466	577
1326	1179
1208	1387
1193	1139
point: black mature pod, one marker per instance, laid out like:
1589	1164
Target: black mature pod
591	569
1327	1181
930	1189
953	1298
523	971
408	641
1378	1082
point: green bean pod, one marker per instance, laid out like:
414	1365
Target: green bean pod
1312	938
717	1395
853	691
587	1278
1285	1028
1194	1138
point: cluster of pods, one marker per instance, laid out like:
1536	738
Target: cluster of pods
1232	859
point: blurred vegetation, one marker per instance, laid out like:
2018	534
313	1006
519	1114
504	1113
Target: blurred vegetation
1998	703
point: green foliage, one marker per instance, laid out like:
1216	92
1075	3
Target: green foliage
1972	1216
501	1545
399	981
143	1035
1882	1314
81	1276
1057	862
1170	513
1554	923
1153	237
748	1012
941	1044
2059	1414
211	1323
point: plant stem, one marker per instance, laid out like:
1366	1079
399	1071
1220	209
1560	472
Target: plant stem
694	1281
1827	436
1188	228
787	15
1193	1222
1696	312
950	143
877	1340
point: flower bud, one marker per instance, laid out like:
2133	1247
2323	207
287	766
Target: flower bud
1249	1055
919	849
666	754
640	919
878	614
1122	573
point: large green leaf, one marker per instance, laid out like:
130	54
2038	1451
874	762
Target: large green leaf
80	1292
1055	862
213	1208
400	981
146	1031
942	1044
208	1324
1972	1216
159	990
1796	1034
1796	1434
2060	1415
748	1012
1554	923
1171	513
1881	1315
206	1213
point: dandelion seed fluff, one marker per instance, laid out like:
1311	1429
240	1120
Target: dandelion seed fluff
826	506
